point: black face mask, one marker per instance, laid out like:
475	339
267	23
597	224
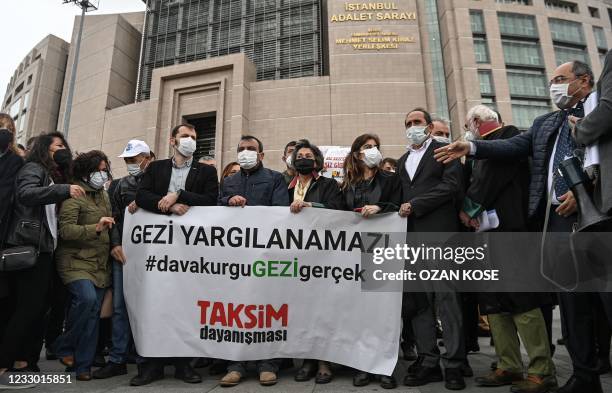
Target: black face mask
63	158
6	137
304	166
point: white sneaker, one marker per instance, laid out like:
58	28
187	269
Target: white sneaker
7	384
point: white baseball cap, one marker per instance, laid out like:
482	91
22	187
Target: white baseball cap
134	148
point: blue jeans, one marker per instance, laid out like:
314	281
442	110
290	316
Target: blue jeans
81	337
121	324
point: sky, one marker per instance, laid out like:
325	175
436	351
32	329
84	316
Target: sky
26	22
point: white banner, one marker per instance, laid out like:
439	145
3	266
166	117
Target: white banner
259	283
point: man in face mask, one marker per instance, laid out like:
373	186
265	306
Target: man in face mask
441	130
172	186
429	191
289	173
254	185
551	206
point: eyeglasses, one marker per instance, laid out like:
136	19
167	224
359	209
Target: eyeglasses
558	80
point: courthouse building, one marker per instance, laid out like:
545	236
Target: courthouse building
326	70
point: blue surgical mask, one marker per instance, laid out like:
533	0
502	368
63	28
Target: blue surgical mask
97	179
417	135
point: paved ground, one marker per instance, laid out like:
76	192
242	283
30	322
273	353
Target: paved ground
342	383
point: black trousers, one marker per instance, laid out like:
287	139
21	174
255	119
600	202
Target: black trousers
579	316
29	289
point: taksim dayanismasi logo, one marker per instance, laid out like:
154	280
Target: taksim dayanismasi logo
243	323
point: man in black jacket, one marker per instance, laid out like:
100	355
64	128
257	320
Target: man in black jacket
549	142
172	186
254	185
429	192
502	186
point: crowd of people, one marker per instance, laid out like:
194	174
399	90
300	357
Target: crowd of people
72	210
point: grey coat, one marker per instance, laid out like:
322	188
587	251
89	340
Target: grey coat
597	127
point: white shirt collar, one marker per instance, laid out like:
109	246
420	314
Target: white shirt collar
424	146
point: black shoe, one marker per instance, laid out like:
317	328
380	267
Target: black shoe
187	374
453	379
110	370
475	347
387	382
561	341
575	385
423	376
30	368
409	351
50	355
322	379
415	365
361	379
466	369
99	361
306	372
218	367
147	373
603	366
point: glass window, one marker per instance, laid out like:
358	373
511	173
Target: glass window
527	83
524	112
517	24
600	37
522	53
564	54
481	50
594	12
15	108
564	6
602	58
516	2
566	31
24	120
26	100
477	22
490	102
486	82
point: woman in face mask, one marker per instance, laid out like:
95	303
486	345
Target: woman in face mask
82	261
369	190
34	223
309	189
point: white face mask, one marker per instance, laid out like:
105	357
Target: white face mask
247	159
372	157
442	139
186	147
288	160
559	94
97	179
416	135
134	169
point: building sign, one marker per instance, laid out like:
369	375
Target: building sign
365	12
375	39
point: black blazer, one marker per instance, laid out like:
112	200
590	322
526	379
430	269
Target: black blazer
323	192
201	186
384	191
432	193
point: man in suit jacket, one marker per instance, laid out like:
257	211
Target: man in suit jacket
429	192
172	186
549	142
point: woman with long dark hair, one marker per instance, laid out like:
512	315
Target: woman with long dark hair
34	223
368	190
83	261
